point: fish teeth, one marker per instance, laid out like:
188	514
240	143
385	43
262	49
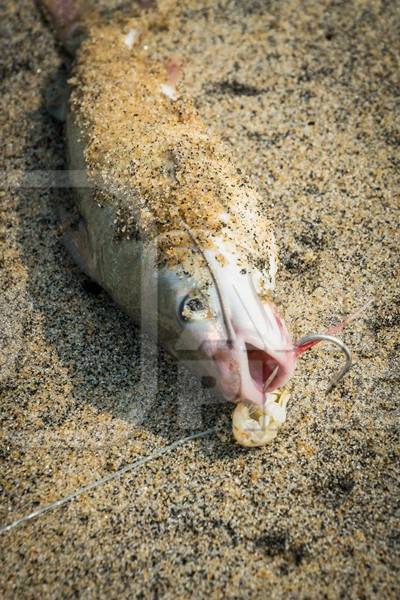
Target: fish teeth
257	426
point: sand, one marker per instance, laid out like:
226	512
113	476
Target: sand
306	94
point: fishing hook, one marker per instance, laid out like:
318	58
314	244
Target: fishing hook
324	337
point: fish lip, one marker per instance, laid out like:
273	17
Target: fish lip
283	358
226	367
258	364
237	380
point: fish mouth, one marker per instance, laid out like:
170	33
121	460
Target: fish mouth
263	368
263	371
247	372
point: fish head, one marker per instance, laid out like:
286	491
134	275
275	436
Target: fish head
223	325
261	351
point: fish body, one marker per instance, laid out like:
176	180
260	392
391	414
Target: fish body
160	199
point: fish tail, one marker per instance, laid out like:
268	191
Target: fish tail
66	18
69	18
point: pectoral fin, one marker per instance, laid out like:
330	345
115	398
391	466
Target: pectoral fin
76	239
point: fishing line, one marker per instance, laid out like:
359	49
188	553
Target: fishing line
95	484
135	465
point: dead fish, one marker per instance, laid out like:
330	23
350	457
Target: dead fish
147	173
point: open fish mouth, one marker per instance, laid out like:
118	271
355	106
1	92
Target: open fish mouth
247	372
263	371
263	368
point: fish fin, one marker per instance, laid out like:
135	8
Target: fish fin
78	245
66	18
57	94
76	239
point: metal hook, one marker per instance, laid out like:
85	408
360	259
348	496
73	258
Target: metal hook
324	337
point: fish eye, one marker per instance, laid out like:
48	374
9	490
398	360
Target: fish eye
193	308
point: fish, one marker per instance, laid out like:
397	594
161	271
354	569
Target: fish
160	205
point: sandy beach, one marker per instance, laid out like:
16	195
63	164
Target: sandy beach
306	95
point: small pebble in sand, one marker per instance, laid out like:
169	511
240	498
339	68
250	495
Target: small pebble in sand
130	38
168	91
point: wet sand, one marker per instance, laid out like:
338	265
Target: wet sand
306	94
